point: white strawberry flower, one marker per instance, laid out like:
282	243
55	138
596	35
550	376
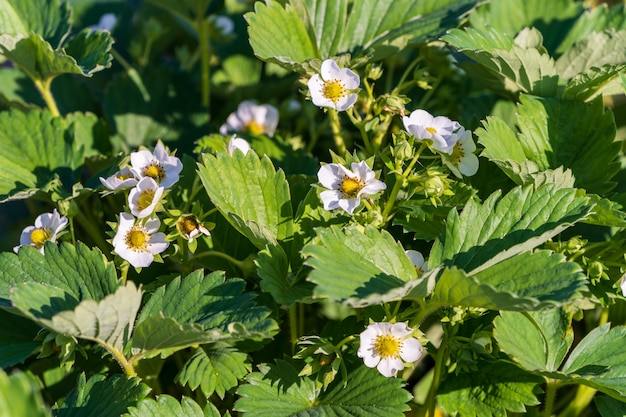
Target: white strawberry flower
334	87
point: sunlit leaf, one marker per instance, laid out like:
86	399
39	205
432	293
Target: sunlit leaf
48	18
20	396
166	406
594	50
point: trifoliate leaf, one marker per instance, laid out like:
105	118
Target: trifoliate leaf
594	50
215	369
524	282
250	194
20	396
158	335
48	18
308	29
273	268
17	335
351	264
491	390
34	149
501	227
108	321
537	340
599	361
101	397
166	406
212	302
278	391
77	270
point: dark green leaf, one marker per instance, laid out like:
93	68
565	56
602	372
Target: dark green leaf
17	335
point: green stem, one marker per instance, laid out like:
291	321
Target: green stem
336	128
404	76
551	388
203	34
44	88
429	93
293	325
126	365
229	258
132	74
72	232
398	184
440	359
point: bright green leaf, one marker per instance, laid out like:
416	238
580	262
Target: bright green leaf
109	320
34	148
20	396
537	340
596	81
166	406
77	270
501	227
596	19
212	302
489	391
278	391
599	360
351	264
48	18
215	369
101	397
251	195
594	50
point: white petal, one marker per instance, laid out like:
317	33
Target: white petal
623	285
157	243
417	259
469	165
331	175
361	171
238	143
389	367
418	117
411	350
25	236
330	70
350	79
349	204
331	198
370	359
400	330
140	159
136	259
372	187
270	120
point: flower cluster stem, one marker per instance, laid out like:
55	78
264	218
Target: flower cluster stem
398	184
336	128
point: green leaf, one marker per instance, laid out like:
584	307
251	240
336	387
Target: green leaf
91	49
159	335
251	195
596	19
101	397
491	390
90	132
501	227
48	18
599	361
609	407
166	406
278	391
606	213
17	335
524	282
81	272
109	321
308	29
588	85
510	68
594	50
214	303
20	396
575	135
278	35
351	264
537	340
35	148
273	268
215	369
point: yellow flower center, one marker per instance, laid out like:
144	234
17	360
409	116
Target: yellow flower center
457	153
254	128
124	176
333	90
350	187
137	239
387	346
431	130
145	199
39	236
154	171
188	224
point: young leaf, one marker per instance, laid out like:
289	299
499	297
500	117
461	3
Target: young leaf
278	391
166	406
490	391
108	321
34	148
77	270
488	233
215	369
213	303
101	397
273	268
537	340
524	282
251	195
599	361
20	396
351	264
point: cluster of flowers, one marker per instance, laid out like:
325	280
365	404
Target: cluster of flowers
149	175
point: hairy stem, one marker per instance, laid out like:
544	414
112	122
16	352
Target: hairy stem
336	128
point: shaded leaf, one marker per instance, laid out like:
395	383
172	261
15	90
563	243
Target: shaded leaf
594	50
587	85
609	407
17	335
